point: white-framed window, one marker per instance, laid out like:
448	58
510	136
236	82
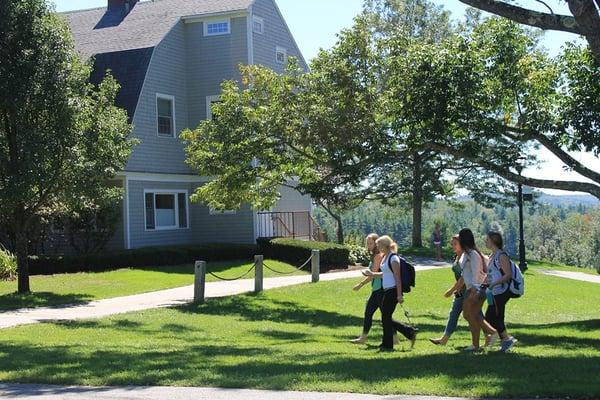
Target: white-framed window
223	212
210	100
258	25
166	210
165	115
281	55
217	27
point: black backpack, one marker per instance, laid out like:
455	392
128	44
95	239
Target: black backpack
407	273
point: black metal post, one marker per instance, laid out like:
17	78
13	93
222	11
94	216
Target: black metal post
522	258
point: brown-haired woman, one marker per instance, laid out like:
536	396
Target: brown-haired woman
474	274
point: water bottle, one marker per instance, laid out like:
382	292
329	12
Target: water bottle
489	293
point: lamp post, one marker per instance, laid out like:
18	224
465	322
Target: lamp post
520	198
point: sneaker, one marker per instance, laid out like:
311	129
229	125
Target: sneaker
438	342
359	340
508	344
491	340
473	349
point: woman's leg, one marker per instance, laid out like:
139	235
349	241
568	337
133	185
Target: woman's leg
388	306
498	311
455	311
372	305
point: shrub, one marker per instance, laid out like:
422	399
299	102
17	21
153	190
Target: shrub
296	252
140	258
359	255
8	265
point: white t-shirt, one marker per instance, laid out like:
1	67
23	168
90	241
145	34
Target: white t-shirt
389	280
472	269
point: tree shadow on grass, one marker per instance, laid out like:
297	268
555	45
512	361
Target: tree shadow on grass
512	375
15	301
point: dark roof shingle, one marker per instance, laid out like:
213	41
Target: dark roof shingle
99	31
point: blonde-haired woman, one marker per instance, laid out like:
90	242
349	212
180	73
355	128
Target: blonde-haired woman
374	301
392	294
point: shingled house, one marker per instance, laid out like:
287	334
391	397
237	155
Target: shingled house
170	57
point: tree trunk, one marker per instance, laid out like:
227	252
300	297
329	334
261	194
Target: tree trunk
417	203
22	253
340	229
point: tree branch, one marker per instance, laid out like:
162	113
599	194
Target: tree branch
570	186
526	16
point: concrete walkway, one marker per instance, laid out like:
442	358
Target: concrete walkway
164	298
43	392
578	276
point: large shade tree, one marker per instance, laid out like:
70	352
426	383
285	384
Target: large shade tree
514	99
584	19
61	138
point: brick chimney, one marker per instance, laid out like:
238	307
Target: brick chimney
123	5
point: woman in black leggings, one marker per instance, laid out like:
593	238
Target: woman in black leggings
392	295
500	275
374	301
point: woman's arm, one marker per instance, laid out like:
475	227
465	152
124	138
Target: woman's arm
506	267
398	278
362	283
457	286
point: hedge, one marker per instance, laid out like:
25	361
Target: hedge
139	258
296	252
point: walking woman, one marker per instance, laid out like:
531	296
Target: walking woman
500	276
458	290
474	273
436	238
374	301
392	294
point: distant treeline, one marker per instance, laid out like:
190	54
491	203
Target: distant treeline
556	233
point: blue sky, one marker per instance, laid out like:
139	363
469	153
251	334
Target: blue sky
315	24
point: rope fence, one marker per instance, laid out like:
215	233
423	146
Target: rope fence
201	271
300	268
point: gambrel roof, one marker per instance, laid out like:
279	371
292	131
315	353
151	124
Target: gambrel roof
99	30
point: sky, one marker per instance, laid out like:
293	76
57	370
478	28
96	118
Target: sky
315	23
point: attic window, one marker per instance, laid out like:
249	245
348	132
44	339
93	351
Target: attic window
258	25
281	55
215	28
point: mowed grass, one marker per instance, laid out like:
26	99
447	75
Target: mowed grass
296	338
559	267
79	288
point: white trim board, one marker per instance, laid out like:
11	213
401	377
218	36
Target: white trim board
155	177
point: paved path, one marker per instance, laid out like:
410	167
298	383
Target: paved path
578	276
43	392
163	298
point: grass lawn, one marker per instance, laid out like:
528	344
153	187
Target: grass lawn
297	338
77	288
558	267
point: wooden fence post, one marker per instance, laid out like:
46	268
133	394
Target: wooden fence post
258	274
315	265
199	282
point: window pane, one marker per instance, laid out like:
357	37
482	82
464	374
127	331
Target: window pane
219	27
182	203
165	108
164	126
150	211
165	210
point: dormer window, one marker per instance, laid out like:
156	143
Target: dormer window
258	25
215	28
281	55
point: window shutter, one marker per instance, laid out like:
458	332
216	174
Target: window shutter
182	203
150	223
